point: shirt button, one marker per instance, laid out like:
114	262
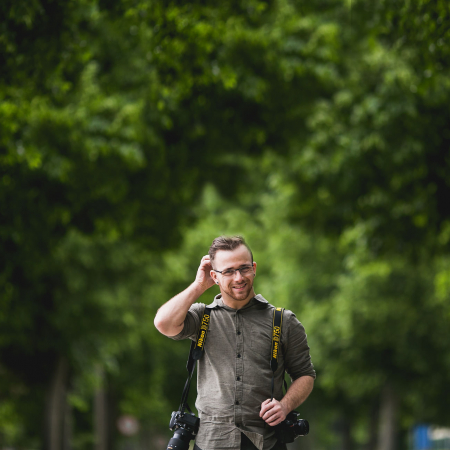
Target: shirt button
238	355
239	332
237	402
238	378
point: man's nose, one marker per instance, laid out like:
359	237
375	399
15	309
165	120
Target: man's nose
238	275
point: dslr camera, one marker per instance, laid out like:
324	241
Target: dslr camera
291	428
186	427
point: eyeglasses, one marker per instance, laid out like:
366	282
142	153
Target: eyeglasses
246	270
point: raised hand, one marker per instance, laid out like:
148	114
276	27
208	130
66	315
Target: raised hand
203	273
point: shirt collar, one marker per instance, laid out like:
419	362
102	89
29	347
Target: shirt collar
218	302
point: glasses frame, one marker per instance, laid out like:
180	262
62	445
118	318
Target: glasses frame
235	270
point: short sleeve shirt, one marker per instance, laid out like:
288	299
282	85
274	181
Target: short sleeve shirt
234	375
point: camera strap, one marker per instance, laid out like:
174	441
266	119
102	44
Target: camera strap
276	344
195	353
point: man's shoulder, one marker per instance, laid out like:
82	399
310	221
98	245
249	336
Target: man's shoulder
197	308
287	313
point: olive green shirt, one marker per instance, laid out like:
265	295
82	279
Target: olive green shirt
234	375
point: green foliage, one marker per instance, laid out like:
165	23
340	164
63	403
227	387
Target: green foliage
377	153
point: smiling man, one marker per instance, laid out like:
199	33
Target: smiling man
234	377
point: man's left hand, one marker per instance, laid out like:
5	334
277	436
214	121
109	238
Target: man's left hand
273	412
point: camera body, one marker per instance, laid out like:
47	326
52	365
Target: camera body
291	428
185	426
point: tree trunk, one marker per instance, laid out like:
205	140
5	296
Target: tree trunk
387	432
68	428
346	433
56	401
373	422
100	413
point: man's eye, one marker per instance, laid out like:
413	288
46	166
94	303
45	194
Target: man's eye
227	273
246	269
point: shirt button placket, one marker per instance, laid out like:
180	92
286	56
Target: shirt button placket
239	370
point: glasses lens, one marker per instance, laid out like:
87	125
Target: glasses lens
228	273
244	271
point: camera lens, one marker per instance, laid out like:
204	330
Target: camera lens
301	427
180	440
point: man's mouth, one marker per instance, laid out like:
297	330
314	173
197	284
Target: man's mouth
240	287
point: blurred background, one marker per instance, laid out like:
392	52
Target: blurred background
133	132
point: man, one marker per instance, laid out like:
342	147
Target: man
234	375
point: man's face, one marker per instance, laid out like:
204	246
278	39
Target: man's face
238	287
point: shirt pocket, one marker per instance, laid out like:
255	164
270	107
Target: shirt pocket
261	341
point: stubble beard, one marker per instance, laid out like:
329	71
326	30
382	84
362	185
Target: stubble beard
241	296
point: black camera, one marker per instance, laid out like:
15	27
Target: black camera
291	428
186	427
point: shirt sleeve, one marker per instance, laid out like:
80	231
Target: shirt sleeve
297	358
191	323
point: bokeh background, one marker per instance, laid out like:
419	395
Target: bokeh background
133	132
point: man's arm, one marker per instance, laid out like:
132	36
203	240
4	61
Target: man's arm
274	412
170	317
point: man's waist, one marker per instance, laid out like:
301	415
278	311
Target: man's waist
231	419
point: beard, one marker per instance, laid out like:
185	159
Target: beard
239	291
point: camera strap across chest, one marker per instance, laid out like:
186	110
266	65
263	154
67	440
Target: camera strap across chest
276	344
195	353
197	348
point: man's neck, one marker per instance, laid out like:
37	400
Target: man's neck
237	304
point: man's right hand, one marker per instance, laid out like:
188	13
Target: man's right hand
169	319
203	273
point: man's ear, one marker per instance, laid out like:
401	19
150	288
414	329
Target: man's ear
214	276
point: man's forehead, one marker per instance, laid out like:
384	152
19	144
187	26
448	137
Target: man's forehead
240	255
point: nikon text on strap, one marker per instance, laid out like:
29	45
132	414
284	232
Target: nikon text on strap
276	343
201	335
195	353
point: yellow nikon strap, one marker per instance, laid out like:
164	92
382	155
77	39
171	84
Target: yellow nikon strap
201	335
276	342
276	337
195	354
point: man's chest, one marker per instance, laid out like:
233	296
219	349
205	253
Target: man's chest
240	335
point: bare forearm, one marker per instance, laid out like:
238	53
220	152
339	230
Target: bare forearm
297	393
170	317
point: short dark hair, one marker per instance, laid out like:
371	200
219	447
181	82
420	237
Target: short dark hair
227	243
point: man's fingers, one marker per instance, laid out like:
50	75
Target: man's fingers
274	423
270	413
272	418
265	406
205	261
